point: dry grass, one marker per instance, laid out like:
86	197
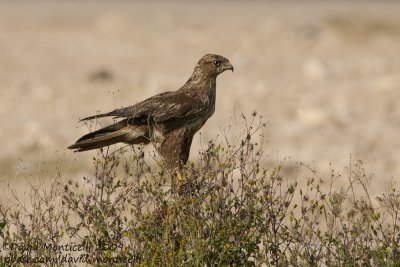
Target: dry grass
227	210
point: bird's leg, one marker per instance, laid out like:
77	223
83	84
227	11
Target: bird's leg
178	176
183	185
178	180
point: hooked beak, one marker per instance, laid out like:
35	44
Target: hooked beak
228	66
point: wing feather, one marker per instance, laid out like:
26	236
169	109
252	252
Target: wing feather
161	107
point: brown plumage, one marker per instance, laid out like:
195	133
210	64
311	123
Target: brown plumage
169	120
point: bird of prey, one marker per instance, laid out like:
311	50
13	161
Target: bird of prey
168	120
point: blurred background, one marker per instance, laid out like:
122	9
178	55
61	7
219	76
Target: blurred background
325	74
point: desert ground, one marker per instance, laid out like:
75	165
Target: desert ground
324	74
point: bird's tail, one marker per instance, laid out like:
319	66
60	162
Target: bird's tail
115	133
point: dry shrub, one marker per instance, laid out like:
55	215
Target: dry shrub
225	209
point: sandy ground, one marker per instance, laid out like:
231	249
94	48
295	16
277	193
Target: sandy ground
324	74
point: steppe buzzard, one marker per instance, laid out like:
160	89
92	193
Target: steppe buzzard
169	120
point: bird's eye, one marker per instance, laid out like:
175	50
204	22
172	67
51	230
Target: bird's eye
217	63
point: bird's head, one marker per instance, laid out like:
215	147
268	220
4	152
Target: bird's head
213	64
